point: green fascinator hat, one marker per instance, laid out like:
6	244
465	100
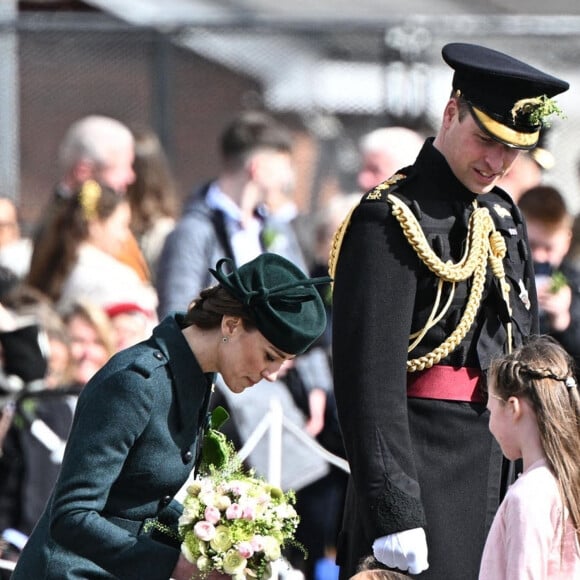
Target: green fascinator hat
282	300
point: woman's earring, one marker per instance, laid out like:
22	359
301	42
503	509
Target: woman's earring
225	339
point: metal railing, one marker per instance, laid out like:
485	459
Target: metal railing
275	422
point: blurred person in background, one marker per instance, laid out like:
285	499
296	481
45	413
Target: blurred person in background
15	249
98	148
77	258
28	303
385	150
280	215
155	203
91	336
36	351
309	383
528	170
52	358
326	506
131	324
326	222
221	220
311	370
574	253
549	225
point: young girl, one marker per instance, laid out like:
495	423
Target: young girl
535	415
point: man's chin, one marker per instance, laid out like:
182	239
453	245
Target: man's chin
483	190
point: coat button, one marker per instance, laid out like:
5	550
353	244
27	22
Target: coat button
187	456
166	500
158	355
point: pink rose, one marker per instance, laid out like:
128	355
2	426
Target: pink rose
237	488
249	513
257	543
234	512
245	550
204	530
212	514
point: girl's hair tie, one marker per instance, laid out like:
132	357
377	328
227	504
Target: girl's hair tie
570	382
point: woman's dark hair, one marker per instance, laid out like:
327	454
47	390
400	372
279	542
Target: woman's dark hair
213	303
53	258
250	132
153	194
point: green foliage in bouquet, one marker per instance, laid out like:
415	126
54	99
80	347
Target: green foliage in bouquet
216	450
234	522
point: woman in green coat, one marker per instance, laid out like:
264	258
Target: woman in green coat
139	422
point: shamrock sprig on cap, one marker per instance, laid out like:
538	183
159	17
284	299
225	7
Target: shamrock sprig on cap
537	110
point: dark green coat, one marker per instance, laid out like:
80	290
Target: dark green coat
420	462
132	446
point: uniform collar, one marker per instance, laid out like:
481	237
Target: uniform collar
192	385
434	167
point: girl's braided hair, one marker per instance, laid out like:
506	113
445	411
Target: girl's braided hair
543	372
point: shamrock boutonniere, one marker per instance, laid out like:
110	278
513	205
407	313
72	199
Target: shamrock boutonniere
269	237
535	111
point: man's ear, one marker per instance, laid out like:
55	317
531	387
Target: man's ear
450	112
252	166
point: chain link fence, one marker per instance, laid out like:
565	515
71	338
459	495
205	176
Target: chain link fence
330	82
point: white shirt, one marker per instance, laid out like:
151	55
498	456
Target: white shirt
245	241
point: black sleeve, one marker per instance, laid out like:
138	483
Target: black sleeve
373	303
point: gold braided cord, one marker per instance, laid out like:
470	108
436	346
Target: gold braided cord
375	194
483	244
498	251
433	319
476	243
337	240
455	338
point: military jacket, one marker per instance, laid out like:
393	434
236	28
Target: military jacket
384	293
133	444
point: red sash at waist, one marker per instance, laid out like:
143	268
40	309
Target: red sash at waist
447	384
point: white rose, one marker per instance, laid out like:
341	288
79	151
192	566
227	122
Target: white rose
271	548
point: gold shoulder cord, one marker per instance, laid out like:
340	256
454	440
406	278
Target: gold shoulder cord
337	243
375	194
483	244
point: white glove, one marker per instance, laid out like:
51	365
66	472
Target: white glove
404	550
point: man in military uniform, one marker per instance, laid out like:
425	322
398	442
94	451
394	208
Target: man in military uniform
433	277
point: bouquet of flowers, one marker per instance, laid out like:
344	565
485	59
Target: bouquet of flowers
233	522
